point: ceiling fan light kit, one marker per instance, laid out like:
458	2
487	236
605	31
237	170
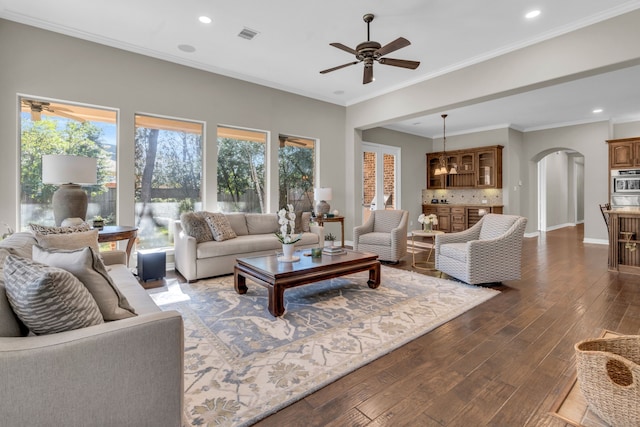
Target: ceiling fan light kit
370	51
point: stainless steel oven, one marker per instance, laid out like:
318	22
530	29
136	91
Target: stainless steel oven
625	187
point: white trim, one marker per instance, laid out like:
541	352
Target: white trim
534	234
595	241
380	150
557	227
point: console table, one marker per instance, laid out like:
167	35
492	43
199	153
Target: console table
114	233
339	219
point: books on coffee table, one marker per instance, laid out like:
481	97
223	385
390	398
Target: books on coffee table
333	250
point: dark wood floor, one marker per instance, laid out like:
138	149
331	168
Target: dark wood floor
502	363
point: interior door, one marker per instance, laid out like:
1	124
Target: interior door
380	183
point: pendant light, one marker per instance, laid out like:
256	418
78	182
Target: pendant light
442	170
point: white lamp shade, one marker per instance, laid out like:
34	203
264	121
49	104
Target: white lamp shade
322	193
62	169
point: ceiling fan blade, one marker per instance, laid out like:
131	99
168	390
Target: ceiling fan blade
398	43
338	67
399	63
368	74
67	115
345	48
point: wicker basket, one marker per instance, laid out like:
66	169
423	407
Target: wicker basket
609	377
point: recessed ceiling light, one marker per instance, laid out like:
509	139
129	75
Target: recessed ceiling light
186	48
204	19
338	92
532	14
416	123
597	110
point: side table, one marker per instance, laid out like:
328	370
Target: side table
114	233
423	233
339	219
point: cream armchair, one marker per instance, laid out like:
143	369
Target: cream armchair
488	252
384	233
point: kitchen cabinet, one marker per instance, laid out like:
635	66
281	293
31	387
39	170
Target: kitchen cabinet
458	219
454	218
476	168
624	153
434	181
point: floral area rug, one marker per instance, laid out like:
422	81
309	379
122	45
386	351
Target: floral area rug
242	364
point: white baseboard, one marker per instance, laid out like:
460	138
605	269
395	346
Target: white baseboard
559	226
534	234
596	241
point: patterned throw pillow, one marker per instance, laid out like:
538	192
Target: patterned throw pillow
87	266
46	299
220	227
44	229
69	240
195	225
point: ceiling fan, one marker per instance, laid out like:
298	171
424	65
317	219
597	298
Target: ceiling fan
37	107
291	140
370	51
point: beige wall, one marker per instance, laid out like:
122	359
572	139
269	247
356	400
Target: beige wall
45	64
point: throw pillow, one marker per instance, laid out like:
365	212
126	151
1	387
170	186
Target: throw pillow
195	225
70	240
46	299
86	265
220	227
44	229
262	223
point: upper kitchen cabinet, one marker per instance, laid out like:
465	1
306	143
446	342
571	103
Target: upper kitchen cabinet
489	161
476	168
624	153
433	164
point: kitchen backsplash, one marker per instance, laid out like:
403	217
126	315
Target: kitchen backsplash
466	197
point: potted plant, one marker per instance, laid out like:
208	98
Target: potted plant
98	222
286	219
329	239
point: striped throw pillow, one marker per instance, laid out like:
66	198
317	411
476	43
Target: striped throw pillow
46	299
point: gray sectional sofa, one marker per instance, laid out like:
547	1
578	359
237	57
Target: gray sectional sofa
117	373
198	255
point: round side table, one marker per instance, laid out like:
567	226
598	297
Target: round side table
424	265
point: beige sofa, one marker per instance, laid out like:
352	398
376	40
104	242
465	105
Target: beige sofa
255	236
118	373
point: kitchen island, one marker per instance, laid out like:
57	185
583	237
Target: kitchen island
624	232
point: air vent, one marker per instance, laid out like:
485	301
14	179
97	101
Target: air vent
247	33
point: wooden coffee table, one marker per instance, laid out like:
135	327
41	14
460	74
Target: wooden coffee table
277	276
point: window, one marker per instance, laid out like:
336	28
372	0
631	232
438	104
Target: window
241	170
168	176
55	127
296	165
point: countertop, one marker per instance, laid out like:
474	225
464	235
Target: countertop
626	210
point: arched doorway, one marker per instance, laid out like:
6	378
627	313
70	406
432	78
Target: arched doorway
560	185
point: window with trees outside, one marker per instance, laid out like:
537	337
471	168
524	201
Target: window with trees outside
241	170
168	176
55	127
296	165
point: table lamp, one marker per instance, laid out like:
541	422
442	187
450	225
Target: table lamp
322	194
69	172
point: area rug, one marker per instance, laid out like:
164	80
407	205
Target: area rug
242	364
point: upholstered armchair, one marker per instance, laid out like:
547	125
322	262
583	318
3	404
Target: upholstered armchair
384	233
488	252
